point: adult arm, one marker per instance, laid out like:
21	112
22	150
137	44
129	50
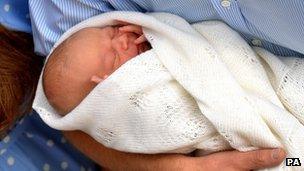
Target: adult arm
280	22
50	19
229	160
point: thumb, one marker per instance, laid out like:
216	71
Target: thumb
258	159
235	160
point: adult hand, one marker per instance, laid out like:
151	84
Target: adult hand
225	161
239	161
127	27
134	29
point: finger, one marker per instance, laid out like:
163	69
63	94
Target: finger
240	161
140	40
131	28
141	49
258	159
96	79
121	23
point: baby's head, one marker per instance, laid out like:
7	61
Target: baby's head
90	55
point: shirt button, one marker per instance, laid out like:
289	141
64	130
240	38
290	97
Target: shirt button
256	42
225	3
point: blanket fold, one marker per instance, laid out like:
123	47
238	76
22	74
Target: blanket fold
200	87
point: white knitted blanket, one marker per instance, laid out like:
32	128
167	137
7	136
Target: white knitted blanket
200	87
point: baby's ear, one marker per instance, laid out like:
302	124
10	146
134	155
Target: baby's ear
96	79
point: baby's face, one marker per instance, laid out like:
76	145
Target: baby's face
97	52
87	58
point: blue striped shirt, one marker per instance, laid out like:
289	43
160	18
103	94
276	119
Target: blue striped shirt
275	25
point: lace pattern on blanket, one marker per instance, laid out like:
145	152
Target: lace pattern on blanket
291	90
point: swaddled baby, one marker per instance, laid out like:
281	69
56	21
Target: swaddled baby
91	55
85	59
201	86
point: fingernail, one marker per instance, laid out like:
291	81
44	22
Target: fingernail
96	79
276	153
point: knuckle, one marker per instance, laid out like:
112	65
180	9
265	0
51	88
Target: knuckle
258	158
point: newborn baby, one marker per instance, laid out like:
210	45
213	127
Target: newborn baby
200	87
85	59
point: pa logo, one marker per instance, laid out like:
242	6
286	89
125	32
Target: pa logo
293	162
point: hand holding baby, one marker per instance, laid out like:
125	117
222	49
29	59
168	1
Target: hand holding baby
134	29
127	27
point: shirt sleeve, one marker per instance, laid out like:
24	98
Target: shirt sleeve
51	18
280	22
276	26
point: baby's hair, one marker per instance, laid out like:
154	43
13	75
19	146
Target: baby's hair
60	86
53	78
